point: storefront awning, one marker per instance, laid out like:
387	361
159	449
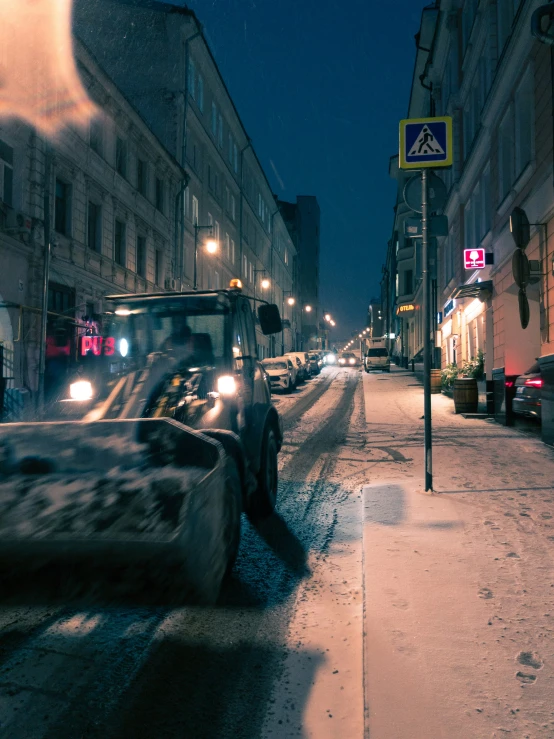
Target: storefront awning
474	290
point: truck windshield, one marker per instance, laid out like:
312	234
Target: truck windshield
192	327
382	352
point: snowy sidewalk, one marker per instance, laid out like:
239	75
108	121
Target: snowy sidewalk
459	585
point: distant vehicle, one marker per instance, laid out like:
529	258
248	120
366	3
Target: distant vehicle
349	359
330	358
282	373
527	401
377	358
305	364
316	363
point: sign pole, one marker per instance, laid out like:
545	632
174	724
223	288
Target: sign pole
428	433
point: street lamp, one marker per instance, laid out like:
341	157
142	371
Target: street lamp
308	308
333	323
211	246
327	317
291	301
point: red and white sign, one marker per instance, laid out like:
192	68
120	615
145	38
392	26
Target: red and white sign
474	258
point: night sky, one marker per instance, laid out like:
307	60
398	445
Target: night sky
320	87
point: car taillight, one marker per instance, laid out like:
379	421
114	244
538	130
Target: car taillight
536	382
509	383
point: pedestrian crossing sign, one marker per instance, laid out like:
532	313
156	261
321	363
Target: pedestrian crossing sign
425	142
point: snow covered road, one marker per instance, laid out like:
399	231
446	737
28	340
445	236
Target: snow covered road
125	669
364	607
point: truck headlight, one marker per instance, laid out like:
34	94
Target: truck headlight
226	385
81	390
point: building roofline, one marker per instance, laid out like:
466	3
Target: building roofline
84	54
166	7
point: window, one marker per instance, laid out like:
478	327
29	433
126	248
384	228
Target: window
214	119
94	227
244	267
159	267
210	220
159	194
468	17
228	246
230	148
486	196
408	282
233	208
194	209
505	18
448	259
232	251
119	243
524	123
217	283
121	156
216	231
506	154
186	202
96	139
200	96
62	213
192	79
235	158
6	173
141	256
141	176
286	255
220	131
251	272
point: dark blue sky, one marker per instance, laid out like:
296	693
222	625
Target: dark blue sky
320	86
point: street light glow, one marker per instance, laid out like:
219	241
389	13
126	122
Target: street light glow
211	246
333	323
290	301
265	283
328	317
308	308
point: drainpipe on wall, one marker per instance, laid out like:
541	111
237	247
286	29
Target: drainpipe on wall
241	203
186	178
46	275
545	37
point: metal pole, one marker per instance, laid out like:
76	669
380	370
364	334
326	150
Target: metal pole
45	278
195	256
428	434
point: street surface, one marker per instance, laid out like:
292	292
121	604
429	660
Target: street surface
365	607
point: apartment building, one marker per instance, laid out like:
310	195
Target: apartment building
483	66
158	55
111	189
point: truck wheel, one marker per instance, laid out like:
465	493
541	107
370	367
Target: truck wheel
233	507
264	499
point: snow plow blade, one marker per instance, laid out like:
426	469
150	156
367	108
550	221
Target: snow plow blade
115	491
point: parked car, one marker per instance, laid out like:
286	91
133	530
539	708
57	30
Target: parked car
305	364
527	400
299	367
349	359
282	373
316	362
377	358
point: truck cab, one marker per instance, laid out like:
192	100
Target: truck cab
191	357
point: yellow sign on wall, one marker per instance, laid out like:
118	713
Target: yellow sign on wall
408	308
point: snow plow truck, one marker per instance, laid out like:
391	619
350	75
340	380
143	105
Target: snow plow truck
164	433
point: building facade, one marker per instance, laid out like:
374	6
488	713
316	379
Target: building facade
111	189
303	220
482	65
158	55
